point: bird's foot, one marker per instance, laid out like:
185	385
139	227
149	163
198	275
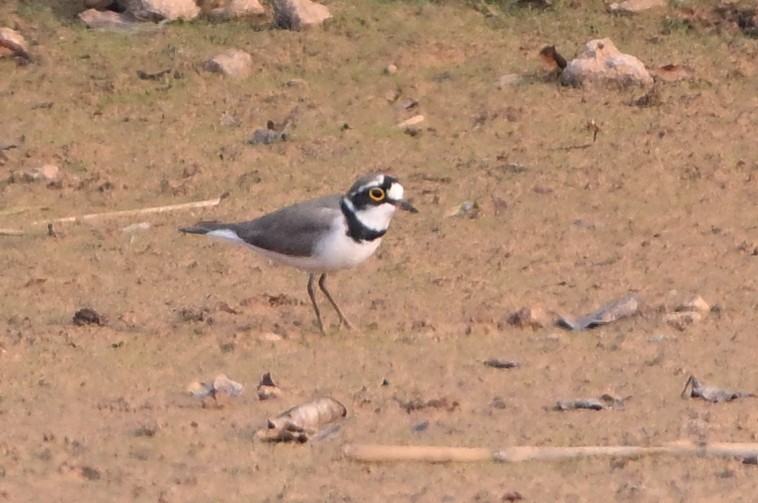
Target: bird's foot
346	323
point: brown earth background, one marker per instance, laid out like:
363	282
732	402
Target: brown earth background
662	204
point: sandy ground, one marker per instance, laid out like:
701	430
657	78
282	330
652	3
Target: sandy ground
663	205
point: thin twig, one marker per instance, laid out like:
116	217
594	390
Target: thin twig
142	211
427	453
16	210
11	232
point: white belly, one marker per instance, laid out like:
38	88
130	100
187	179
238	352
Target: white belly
336	252
342	252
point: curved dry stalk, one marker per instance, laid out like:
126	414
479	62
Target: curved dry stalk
142	211
434	454
428	453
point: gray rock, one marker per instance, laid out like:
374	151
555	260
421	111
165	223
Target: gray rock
316	419
265	136
712	393
612	311
600	62
299	14
220	384
582	403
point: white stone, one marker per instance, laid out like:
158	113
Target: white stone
601	62
299	14
48	172
14	42
231	62
106	20
634	6
696	304
158	10
237	8
416	119
510	79
270	337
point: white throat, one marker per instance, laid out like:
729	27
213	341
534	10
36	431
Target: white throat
376	218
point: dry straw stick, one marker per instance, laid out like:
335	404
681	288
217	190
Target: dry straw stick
433	454
142	211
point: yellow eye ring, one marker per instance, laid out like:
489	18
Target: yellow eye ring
376	194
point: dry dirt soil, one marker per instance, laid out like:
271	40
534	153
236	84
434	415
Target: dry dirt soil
663	204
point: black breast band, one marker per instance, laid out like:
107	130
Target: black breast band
355	228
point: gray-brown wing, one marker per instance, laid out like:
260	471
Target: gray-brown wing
293	230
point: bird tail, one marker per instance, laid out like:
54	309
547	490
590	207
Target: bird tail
203	228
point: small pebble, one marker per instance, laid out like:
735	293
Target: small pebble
416	119
510	79
87	316
501	364
422	426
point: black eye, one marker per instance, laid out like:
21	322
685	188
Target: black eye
376	194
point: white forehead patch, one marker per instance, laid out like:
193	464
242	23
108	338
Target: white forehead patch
396	192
